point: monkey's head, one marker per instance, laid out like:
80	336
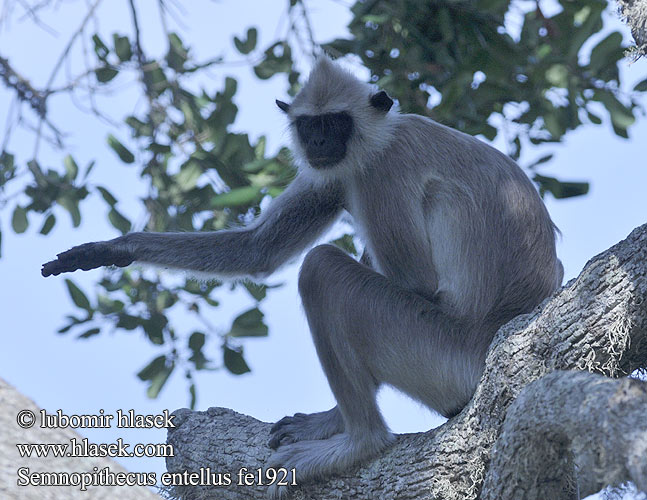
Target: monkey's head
337	120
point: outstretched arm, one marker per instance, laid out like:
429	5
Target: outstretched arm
291	223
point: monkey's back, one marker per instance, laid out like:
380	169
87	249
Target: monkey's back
449	216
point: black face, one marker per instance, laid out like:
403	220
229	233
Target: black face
325	137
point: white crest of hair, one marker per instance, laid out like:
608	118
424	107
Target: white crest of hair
333	89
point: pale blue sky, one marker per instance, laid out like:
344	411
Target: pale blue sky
85	376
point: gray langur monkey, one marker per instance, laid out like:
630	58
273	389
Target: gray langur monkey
457	243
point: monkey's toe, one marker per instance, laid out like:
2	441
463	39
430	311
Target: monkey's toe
305	427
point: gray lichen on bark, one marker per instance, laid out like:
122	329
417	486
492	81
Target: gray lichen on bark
634	13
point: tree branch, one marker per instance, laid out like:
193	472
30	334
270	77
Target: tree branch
568	421
597	322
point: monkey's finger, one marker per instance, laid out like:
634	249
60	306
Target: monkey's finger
87	256
54	268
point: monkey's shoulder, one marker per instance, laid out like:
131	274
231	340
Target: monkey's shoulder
422	144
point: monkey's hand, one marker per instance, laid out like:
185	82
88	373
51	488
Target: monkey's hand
89	256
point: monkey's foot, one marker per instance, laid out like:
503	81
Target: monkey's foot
306	427
88	256
307	460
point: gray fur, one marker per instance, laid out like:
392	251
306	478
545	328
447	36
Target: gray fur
304	426
457	242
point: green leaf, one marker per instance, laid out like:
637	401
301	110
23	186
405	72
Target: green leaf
48	224
231	85
140	128
255	290
157	372
594	118
154	327
239	196
489	132
152	368
71	168
245	47
40	178
127	321
234	361
124	154
278	59
259	149
581	15
609	50
100	48
123	48
554	124
88	169
498	6
194	397
155	78
541	160
119	221
106	73
164	300
580	34
249	324
641	86
621	116
73	321
346	244
557	75
7	167
106	305
560	189
90	333
177	53
620	131
107	196
72	206
19	220
188	176
196	343
78	297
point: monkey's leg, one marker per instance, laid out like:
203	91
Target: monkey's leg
303	426
369	331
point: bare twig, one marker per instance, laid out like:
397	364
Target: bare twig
306	18
23	88
59	63
30	12
8	127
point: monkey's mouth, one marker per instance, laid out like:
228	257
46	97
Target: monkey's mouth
324	162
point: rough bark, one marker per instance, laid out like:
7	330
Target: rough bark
634	13
11	403
566	418
597	322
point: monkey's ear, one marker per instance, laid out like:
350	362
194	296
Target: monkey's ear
381	101
283	106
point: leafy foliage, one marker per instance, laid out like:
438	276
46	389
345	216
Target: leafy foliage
536	77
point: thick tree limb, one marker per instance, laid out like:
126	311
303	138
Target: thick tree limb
596	422
597	322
